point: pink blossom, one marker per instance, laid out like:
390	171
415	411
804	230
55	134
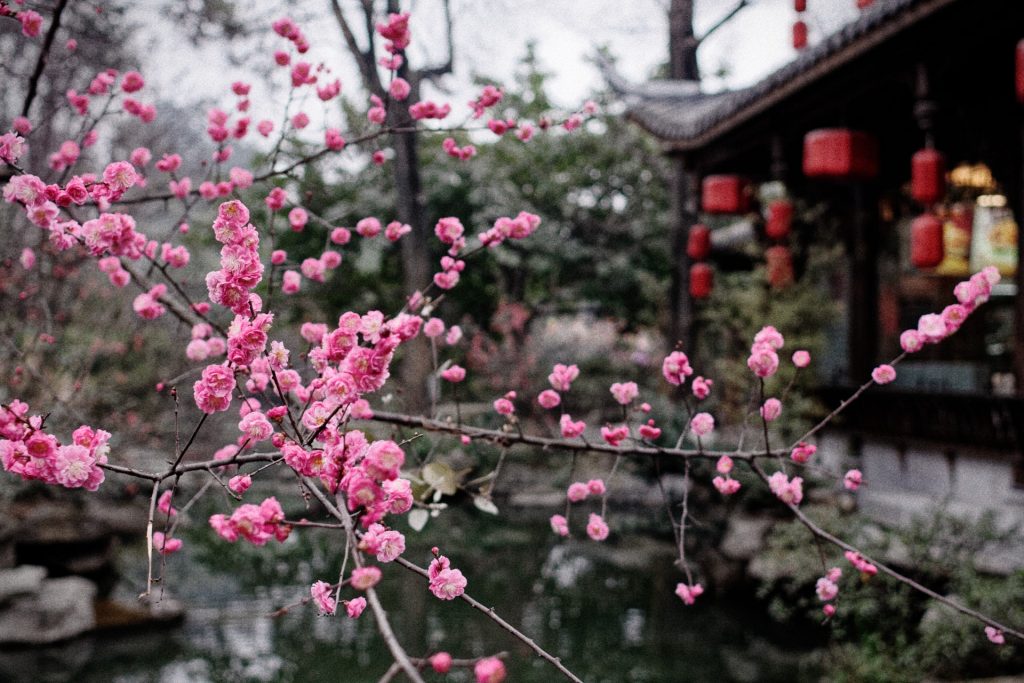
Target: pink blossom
931	327
164	545
368	227
612	435
449	230
433	328
911	341
21	125
164	504
27	259
763	360
689	594
73	465
457	373
724	464
994	635
624	393
489	670
355	607
883	374
853	479
395	230
364	578
860	563
240	483
321	592
596	487
801	359
31	23
771	409
341	236
802	452
577	492
562	376
676	368
649	431
570	429
298	218
597	529
503	406
445	583
441	662
399	89
290	282
726	486
559	525
549	399
770	336
701	387
789	492
826	589
702	424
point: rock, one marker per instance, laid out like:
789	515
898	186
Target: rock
26	579
744	537
61	609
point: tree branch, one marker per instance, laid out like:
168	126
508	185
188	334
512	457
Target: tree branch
366	61
44	53
724	20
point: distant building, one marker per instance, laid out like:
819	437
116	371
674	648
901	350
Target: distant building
909	74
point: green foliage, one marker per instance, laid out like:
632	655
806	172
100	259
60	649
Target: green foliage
883	630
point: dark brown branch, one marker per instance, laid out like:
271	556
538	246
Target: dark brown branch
44	53
364	60
432	73
724	20
820	533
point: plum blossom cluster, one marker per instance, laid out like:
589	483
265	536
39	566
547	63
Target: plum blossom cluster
257	524
934	327
445	583
240	266
29	452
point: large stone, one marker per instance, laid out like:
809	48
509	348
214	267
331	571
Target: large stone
23	580
61	609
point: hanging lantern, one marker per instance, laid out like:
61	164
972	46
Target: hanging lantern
698	244
927	176
800	5
779	266
799	35
724	194
840	153
780	218
1020	71
702	280
926	248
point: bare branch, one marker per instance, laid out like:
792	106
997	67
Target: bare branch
44	53
724	20
366	61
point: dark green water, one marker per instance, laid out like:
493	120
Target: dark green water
608	610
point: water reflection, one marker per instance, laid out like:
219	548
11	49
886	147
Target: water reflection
607	609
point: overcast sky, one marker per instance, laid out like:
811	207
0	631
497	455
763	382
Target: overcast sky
491	36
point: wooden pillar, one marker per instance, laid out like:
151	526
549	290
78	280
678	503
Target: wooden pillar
1018	301
683	189
863	296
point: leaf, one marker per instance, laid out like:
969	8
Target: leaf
441	477
485	504
418	519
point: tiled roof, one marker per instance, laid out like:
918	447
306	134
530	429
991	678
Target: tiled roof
682	116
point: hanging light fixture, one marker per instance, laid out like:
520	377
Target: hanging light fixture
840	153
724	194
927	176
780	219
926	246
698	243
702	280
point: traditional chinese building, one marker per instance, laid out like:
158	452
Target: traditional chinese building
839	127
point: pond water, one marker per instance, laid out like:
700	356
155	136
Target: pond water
608	610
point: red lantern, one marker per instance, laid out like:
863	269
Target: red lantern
840	153
800	5
779	266
927	176
780	218
864	4
799	35
926	248
724	194
702	280
698	244
1020	71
